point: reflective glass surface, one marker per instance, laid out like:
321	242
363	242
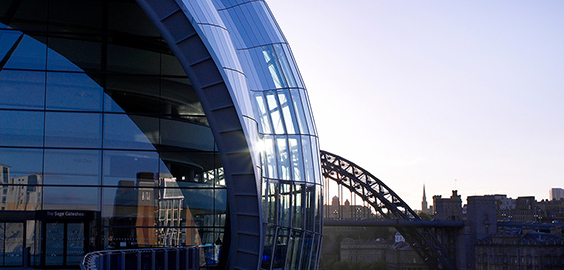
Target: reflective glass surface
21	128
72	167
22	89
288	139
103	137
99	118
73	129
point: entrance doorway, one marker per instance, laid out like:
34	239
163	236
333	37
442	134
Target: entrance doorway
12	243
64	243
67	237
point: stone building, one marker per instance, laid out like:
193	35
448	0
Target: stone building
448	209
520	249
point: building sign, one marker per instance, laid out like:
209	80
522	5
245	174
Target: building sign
64	214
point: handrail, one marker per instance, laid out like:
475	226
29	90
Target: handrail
174	258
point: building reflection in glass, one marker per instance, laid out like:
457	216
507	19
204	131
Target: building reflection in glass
100	151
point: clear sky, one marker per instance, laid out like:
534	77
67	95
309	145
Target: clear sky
465	95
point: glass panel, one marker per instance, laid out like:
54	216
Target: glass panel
294	247
270	153
199	204
29	54
285	203
30	228
56	61
288	112
88	57
296	157
179	100
124	132
269	238
72	167
182	134
318	210
273	67
280	249
283	159
2	224
315	247
20	197
9	40
132	94
284	63
220	207
120	209
297	197
272	203
13	250
75	243
73	91
123	59
22	89
308	160
298	108
309	115
73	129
310	205
265	199
264	120
71	198
306	250
275	114
54	243
132	166
316	160
21	162
20	128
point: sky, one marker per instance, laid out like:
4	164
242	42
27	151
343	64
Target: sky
465	95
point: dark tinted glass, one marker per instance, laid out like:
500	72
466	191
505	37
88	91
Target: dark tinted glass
22	161
71	198
73	91
129	165
66	129
21	128
22	89
29	54
125	132
72	167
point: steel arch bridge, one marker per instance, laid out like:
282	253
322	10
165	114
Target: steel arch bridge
389	205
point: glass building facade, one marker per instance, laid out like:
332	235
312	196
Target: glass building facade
136	124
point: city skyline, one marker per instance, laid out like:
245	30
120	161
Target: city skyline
451	95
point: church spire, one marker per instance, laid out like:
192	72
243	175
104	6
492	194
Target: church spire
424	207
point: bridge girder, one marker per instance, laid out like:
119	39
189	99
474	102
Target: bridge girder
389	205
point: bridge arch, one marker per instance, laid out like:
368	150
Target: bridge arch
388	204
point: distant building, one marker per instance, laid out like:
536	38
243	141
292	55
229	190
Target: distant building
525	210
550	211
399	255
363	250
399	238
348	211
556	194
448	209
522	249
504	207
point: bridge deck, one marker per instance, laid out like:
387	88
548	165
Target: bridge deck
393	223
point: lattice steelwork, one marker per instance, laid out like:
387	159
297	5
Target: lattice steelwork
388	204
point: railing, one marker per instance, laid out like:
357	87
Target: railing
187	258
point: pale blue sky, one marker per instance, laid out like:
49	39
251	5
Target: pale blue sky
432	91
